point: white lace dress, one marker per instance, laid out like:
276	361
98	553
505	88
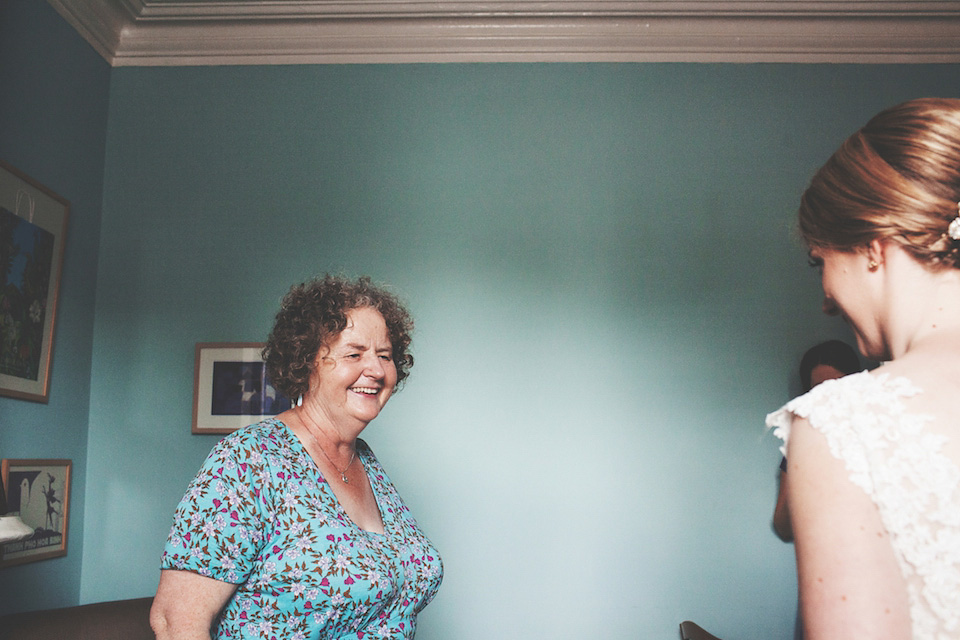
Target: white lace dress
894	457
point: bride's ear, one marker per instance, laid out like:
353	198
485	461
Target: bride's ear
876	253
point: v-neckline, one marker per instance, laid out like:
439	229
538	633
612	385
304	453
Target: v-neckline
322	480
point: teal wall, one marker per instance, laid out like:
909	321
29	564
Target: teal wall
599	259
608	296
53	121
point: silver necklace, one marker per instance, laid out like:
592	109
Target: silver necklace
343	473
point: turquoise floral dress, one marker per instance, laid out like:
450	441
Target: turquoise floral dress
259	514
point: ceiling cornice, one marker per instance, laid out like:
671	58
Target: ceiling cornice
220	32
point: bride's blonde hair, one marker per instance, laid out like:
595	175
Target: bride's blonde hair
897	178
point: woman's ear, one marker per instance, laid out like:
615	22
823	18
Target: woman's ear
876	253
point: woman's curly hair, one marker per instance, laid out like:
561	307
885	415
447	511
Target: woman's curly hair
314	313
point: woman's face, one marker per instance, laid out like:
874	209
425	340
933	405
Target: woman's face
355	373
849	292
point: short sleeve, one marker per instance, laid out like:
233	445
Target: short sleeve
219	526
860	414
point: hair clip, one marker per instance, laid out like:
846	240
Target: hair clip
954	229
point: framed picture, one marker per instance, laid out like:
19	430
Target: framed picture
39	492
33	228
230	387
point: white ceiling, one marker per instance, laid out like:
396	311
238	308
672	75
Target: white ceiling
215	32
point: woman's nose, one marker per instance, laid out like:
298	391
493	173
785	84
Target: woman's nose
374	368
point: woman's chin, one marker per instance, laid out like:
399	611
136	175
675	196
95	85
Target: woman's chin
366	413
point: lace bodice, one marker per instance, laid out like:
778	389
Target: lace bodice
898	461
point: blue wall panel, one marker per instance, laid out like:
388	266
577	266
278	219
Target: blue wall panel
608	294
53	121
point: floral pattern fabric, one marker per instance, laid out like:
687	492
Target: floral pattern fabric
259	514
898	461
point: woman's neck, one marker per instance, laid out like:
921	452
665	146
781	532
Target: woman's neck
924	311
312	422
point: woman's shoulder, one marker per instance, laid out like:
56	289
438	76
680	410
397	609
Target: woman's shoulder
878	387
363	448
858	397
264	436
365	453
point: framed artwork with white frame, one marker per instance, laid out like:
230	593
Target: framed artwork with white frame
231	388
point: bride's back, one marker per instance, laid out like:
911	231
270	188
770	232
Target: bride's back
936	374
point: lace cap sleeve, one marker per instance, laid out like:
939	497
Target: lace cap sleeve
855	413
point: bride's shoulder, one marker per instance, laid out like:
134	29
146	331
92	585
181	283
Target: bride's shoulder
936	376
877	388
932	370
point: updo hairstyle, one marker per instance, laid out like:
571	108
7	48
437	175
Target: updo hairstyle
897	178
313	314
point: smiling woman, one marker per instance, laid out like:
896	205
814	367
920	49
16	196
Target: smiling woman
355	375
292	528
874	457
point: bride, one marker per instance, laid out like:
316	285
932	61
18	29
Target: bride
874	458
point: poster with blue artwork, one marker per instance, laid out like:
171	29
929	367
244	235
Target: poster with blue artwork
33	223
243	389
231	388
26	256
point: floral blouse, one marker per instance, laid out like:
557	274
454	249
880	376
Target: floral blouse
259	514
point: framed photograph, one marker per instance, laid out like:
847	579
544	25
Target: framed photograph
230	387
33	228
39	492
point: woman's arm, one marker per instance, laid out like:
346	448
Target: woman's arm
186	605
850	583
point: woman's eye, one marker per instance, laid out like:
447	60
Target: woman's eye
386	358
815	263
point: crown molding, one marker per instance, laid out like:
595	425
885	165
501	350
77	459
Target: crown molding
258	32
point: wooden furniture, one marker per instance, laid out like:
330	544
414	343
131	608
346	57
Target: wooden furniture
692	631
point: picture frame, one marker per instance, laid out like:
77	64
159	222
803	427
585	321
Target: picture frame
33	220
231	388
39	492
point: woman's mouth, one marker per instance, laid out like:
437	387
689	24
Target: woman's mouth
367	391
